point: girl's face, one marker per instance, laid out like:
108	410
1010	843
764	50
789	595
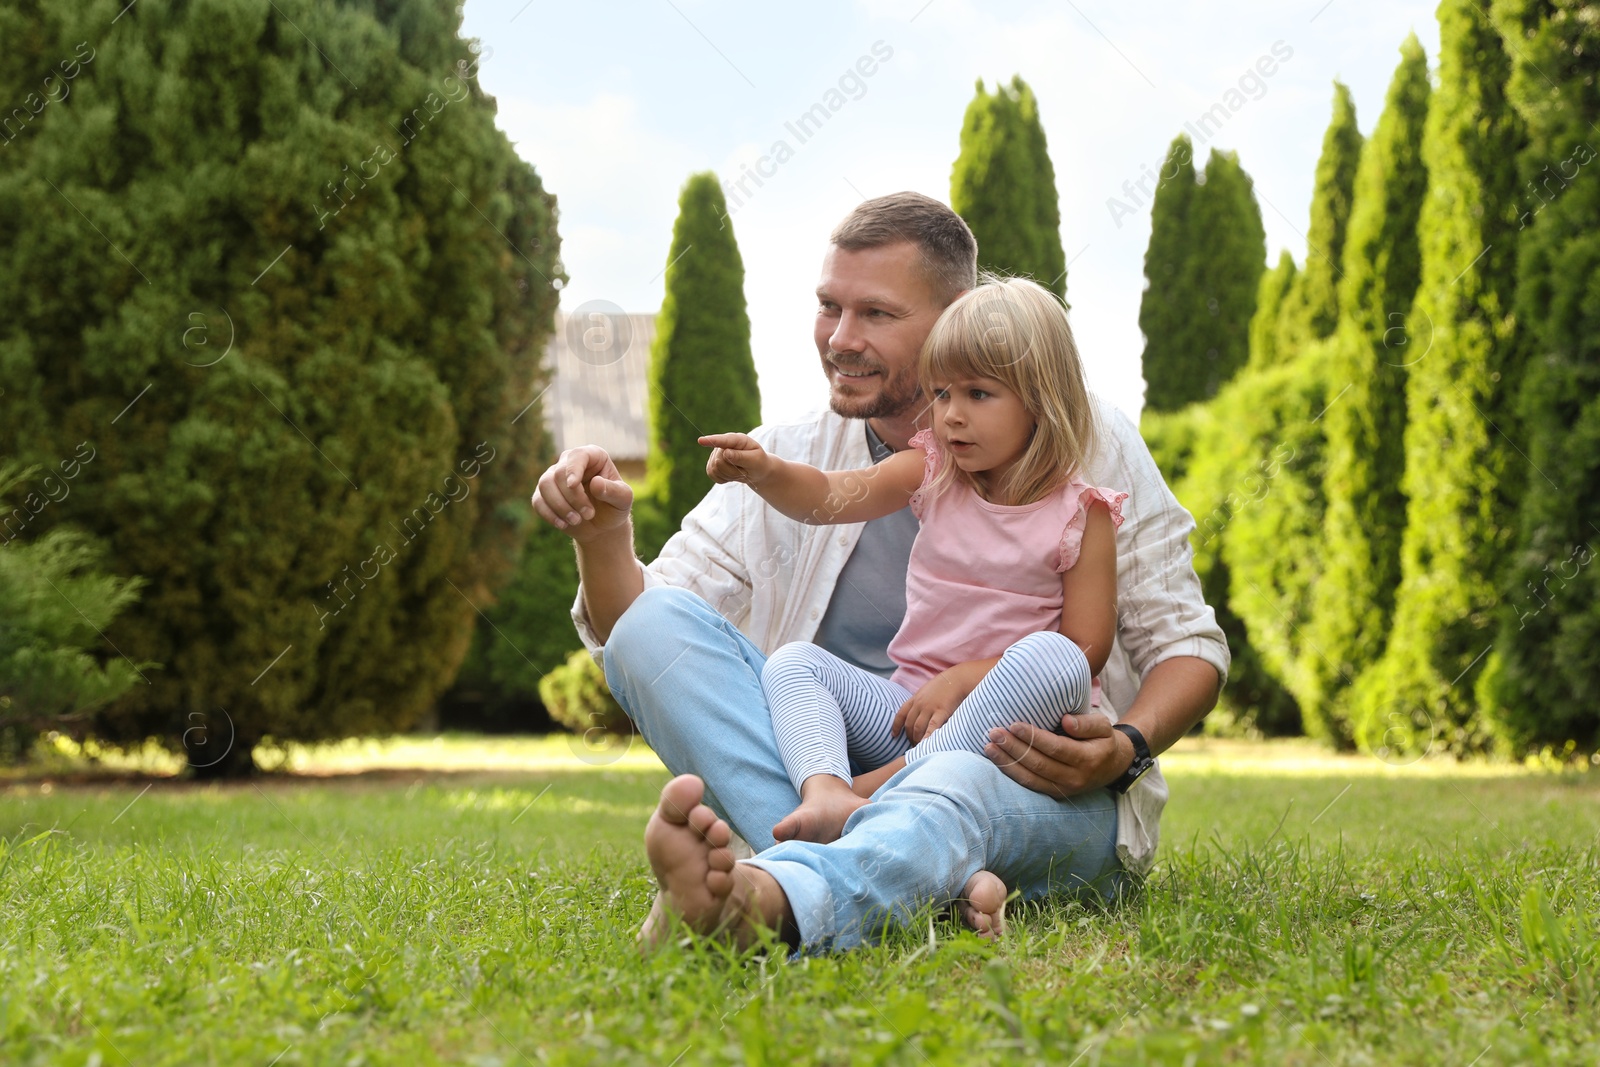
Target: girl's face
983	425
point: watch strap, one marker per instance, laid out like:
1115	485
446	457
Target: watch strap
1142	760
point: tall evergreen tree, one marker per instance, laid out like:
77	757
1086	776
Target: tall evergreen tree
702	375
1330	213
1460	464
1254	486
1166	311
1229	258
1271	548
1004	186
1366	413
1312	312
1543	683
1203	268
301	319
1277	287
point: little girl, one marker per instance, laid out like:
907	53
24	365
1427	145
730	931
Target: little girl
1011	590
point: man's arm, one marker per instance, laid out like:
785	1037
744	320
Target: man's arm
609	575
1175	696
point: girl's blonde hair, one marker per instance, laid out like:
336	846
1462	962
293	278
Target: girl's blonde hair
1016	332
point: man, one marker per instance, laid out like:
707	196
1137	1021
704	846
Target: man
683	642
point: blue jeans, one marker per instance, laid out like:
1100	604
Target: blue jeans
691	681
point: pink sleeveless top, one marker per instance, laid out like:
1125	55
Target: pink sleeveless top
984	576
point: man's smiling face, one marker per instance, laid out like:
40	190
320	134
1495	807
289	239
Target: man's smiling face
875	307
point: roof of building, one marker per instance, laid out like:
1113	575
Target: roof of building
599	360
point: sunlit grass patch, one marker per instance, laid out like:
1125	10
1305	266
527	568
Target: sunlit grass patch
59	756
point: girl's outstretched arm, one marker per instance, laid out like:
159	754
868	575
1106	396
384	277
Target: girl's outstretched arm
1089	589
809	495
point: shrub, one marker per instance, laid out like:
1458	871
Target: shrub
518	640
1216	475
55	667
578	698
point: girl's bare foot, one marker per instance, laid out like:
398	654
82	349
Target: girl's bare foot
688	849
826	803
983	905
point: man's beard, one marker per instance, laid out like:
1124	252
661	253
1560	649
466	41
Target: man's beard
897	396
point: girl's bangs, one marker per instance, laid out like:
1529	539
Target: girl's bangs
959	347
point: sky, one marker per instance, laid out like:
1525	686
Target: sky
617	103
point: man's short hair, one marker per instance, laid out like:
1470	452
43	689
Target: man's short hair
949	251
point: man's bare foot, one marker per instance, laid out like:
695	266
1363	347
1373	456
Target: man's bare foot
826	803
700	883
687	845
983	905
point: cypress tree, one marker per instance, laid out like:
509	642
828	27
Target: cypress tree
1277	287
1542	684
1366	413
1166	311
1312	312
302	291
1254	470
1203	267
1267	424
702	375
1460	465
1004	186
1229	258
1330	213
1291	333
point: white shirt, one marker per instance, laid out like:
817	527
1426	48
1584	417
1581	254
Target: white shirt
773	576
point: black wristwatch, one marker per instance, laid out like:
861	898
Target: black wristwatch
1142	760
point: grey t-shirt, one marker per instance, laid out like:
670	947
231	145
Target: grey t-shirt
869	603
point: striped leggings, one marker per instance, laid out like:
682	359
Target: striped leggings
829	715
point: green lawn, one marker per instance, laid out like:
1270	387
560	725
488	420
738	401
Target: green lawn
1307	909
